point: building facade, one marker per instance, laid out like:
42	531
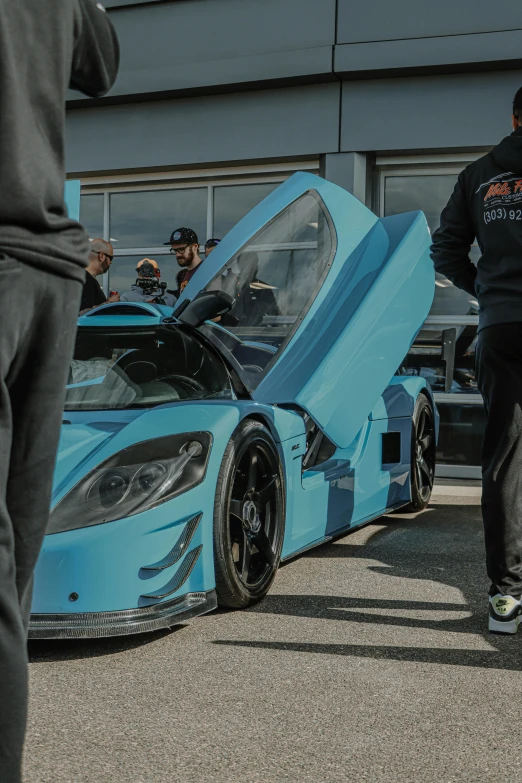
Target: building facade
218	101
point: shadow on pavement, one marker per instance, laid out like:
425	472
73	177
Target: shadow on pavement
483	659
336	608
443	546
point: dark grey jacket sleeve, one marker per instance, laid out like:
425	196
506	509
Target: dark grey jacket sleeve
452	241
96	50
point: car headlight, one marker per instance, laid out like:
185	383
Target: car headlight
133	480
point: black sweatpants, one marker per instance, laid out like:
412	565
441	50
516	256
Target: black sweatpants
38	313
499	376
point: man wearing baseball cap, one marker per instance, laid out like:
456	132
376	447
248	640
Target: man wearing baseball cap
211	245
184	245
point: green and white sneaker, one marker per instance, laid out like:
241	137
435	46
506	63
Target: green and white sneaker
505	613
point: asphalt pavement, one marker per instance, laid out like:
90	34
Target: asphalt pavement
368	661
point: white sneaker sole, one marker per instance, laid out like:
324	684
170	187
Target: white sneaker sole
496	626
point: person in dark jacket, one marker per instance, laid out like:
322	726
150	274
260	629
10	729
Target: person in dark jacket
45	47
487	205
101	254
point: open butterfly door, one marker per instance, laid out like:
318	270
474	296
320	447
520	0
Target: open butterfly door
328	297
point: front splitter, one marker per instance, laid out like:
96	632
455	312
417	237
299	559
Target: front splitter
92	625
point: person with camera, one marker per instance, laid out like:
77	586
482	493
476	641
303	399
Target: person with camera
101	254
147	287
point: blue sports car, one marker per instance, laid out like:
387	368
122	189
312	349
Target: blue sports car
203	446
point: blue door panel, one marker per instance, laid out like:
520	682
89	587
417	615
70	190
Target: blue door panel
351	488
306	512
342	360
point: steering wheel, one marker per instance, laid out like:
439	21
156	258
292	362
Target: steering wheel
184	381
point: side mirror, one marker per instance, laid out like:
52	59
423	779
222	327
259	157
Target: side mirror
204	307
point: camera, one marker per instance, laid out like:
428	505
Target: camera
148	282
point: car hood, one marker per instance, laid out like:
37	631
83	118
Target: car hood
81	437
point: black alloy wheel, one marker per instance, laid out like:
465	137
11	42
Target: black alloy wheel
422	454
249	516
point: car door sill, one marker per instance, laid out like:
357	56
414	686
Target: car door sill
342	531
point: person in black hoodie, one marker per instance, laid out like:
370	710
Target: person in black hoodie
45	47
487	205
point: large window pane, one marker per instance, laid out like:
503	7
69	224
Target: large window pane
427	192
122	273
147	219
232	202
91	214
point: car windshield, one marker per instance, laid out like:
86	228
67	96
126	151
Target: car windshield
131	367
273	279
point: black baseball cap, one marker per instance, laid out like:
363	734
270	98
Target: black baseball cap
212	242
180	235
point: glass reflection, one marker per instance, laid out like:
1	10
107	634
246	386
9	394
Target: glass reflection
428	192
233	202
91	214
147	218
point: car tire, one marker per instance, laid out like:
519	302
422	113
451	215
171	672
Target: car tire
249	517
423	448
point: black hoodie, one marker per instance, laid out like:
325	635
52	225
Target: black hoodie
487	205
45	47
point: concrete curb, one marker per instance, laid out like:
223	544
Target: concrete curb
456	490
